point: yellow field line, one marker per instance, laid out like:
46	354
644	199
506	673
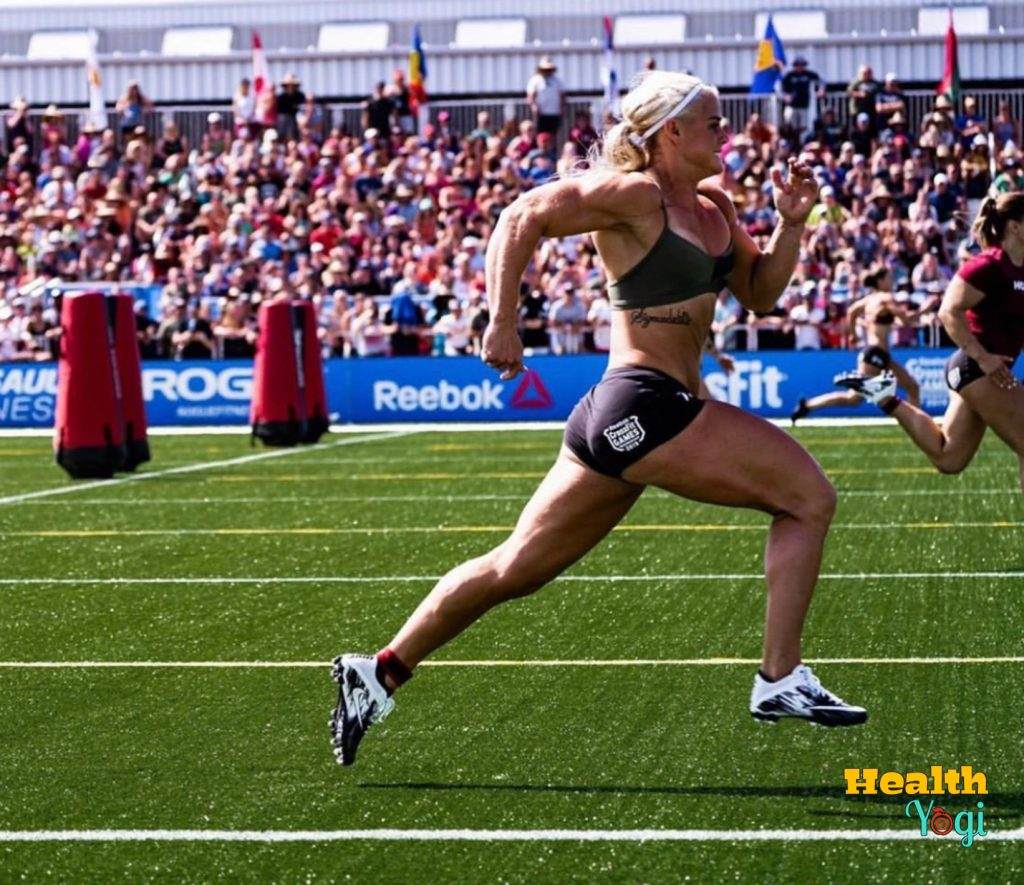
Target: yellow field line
470	529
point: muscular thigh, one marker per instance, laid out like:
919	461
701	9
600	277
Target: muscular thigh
963	427
729	457
1002	410
572	510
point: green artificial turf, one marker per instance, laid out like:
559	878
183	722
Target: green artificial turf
520	747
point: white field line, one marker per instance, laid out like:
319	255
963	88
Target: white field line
423	579
193	468
908	834
473	529
439	427
579	662
453	499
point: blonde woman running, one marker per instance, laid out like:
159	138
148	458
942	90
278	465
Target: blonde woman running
670	241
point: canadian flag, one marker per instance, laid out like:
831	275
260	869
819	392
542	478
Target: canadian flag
260	71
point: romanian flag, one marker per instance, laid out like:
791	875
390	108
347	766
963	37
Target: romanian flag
770	62
949	85
417	72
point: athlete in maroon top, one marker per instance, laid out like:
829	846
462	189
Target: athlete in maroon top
983	311
997	321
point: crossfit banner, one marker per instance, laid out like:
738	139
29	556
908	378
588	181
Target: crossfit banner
199	392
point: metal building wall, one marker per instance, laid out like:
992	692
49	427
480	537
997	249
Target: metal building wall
462	72
73	14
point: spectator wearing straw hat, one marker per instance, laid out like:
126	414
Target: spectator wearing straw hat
289	100
545	94
51	127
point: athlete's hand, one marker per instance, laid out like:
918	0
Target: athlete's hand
795	195
997	368
503	350
725	362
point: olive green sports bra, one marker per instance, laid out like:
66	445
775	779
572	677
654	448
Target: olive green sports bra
673	270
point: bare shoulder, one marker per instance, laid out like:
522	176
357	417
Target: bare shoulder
624	194
715	193
597	200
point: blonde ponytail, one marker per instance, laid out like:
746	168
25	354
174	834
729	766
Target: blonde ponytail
620	150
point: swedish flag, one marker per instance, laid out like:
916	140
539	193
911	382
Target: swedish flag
770	62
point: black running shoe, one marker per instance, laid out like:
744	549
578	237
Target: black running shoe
801	411
362	701
800	695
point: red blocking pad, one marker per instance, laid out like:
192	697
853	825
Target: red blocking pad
289	403
89	428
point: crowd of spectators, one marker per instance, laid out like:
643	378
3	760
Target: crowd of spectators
385	229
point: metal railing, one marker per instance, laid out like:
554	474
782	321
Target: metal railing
192	120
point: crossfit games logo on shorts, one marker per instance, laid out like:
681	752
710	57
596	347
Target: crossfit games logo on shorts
625	435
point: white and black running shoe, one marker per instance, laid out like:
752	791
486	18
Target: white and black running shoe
874	388
801	696
362	701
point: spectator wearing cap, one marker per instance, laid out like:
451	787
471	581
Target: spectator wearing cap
890	101
566	320
289	101
216	138
863	92
863	135
971	123
829	210
453	330
943	199
1011	175
799	86
130	107
545	94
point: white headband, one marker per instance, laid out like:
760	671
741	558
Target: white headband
640	140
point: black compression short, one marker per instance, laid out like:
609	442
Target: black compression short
876	356
628	413
961	370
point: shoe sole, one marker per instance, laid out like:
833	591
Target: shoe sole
337	674
824	719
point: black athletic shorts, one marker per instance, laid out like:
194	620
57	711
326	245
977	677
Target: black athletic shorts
961	370
876	356
628	413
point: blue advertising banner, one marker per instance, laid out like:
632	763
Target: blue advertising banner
200	392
